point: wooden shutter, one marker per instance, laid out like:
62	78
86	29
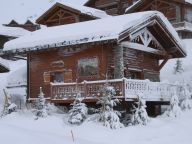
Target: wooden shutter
68	76
47	77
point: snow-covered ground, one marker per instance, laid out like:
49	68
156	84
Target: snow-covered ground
22	128
14	66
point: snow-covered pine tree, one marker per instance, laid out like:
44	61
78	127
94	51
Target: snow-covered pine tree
9	107
140	115
178	67
108	115
40	106
186	103
174	110
79	110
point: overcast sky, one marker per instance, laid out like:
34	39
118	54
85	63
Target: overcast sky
21	10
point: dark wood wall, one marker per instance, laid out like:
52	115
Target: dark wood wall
112	7
40	62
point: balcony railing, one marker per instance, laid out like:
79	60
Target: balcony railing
125	88
183	25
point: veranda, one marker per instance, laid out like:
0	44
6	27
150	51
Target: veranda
126	89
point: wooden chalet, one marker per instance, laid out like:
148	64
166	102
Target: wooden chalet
63	13
28	25
81	56
178	13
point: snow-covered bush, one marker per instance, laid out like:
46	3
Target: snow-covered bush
8	107
78	113
186	103
140	115
108	115
40	106
174	110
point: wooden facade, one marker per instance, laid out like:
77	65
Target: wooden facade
135	58
46	66
60	14
112	7
178	13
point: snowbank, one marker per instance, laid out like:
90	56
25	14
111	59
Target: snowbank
22	128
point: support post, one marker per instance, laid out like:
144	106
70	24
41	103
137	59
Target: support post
163	63
118	62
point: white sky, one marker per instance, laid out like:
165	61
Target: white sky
21	10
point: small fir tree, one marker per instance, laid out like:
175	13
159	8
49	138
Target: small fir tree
108	115
40	105
79	110
178	67
186	103
140	115
174	110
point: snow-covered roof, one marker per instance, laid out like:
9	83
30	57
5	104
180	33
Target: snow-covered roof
96	30
82	9
188	1
12	31
139	2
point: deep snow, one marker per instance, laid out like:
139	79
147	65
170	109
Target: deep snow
22	128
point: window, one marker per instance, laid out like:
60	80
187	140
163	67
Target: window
58	77
88	67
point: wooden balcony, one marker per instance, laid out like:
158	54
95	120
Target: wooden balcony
126	89
183	26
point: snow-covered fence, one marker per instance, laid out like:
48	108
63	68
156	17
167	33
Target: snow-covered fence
152	91
125	88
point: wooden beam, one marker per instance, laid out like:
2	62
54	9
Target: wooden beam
141	47
163	63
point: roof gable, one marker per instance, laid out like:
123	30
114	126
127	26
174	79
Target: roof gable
64	11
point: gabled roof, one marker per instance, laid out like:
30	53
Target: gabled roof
112	28
12	31
91	12
140	3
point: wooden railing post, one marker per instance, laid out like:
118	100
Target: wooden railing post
85	89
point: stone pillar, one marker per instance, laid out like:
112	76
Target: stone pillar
118	62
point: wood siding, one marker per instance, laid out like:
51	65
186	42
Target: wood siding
112	7
59	15
40	62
